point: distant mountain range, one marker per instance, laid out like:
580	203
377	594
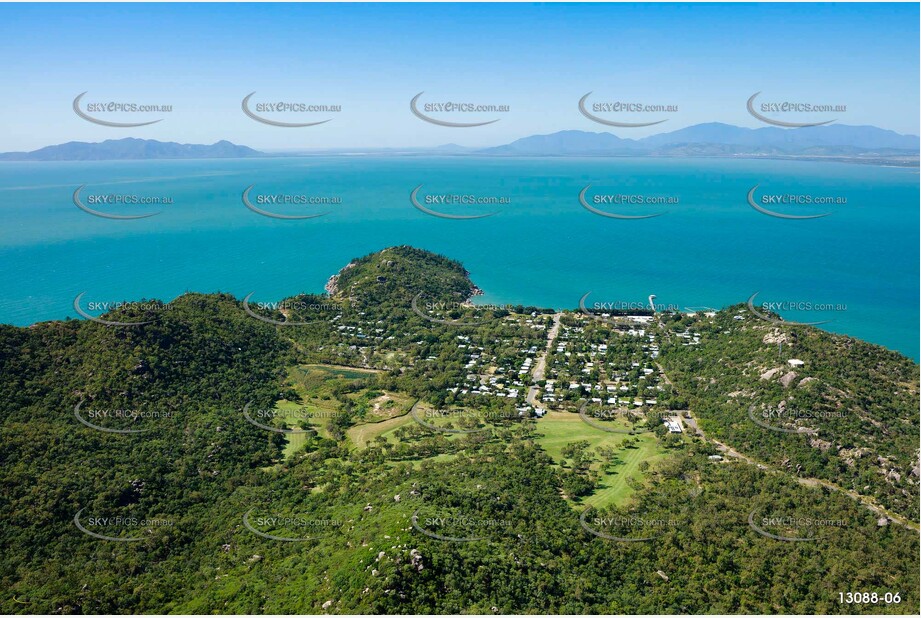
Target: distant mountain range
132	148
842	142
716	139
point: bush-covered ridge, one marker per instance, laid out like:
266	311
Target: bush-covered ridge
203	467
397	274
848	415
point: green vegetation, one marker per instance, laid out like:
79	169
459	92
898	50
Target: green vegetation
855	405
362	435
511	486
615	459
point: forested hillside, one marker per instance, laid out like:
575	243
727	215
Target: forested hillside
328	496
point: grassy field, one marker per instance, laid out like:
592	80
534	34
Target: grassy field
361	435
311	377
292	415
385	412
349	373
379	405
558	429
313	383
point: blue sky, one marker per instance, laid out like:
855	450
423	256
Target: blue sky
372	59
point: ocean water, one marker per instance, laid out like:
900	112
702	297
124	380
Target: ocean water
542	247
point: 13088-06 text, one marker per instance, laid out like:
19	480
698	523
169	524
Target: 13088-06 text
869	598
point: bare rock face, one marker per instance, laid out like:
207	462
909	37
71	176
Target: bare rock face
415	559
332	286
805	382
788	379
850	455
822	445
775	336
770	373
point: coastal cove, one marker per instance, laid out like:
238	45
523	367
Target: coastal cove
708	247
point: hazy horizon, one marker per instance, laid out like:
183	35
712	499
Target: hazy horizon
413	147
371	60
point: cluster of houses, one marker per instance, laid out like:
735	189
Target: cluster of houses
690	338
596	373
621	374
489	376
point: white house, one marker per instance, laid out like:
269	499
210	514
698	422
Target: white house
673	425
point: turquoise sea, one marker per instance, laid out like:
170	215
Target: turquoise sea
541	248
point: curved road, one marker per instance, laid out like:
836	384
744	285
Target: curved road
867	501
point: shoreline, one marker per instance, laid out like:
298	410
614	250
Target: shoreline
626	314
873	162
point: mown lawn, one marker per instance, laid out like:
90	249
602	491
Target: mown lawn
558	429
361	435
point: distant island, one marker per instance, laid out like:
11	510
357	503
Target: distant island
131	148
840	142
854	144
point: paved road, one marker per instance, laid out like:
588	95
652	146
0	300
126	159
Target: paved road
539	368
